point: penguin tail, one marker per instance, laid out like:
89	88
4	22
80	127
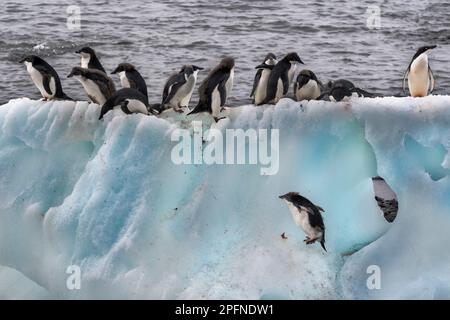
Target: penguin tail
197	109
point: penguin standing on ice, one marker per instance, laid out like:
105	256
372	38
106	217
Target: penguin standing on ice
179	88
98	86
419	74
89	59
262	78
131	78
307	216
45	78
307	86
216	88
129	100
278	85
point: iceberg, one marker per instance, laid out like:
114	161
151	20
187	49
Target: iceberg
104	201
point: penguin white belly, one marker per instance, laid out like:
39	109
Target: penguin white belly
302	220
215	102
183	96
137	106
38	80
291	73
310	91
124	80
187	98
418	78
261	88
93	91
279	93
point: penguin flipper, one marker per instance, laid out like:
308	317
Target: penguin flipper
271	90
256	81
285	79
322	243
173	84
404	81
433	82
223	92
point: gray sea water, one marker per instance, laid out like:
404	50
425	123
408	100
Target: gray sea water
333	38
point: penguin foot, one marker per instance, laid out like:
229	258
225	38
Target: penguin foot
306	240
218	119
311	241
178	109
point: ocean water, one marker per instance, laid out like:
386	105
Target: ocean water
332	37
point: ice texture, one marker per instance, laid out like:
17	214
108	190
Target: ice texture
107	197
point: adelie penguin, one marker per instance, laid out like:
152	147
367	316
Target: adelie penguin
129	100
419	74
278	85
179	88
307	216
262	79
89	59
98	86
343	90
131	78
45	78
307	86
216	88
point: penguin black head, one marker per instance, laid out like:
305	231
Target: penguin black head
293	57
190	69
30	58
289	196
270	59
227	62
124	103
87	51
196	68
341	89
424	49
308	74
77	71
124	67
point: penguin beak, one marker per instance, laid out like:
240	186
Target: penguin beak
70	75
78	51
263	66
197	68
432	47
22	60
114	72
282	197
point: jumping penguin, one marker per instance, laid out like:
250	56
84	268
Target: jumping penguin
262	78
179	88
45	78
98	86
131	78
278	85
307	86
89	59
420	77
129	100
307	216
216	88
